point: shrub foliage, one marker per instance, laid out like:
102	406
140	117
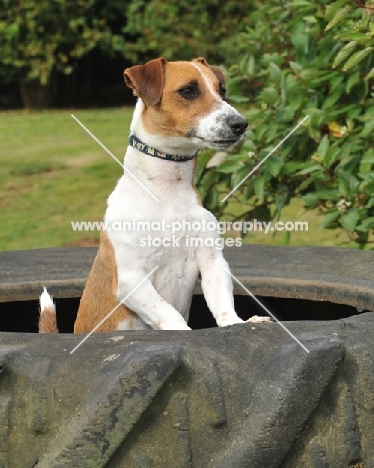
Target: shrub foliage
300	58
39	36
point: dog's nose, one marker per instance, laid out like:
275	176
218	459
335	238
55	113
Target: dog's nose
238	124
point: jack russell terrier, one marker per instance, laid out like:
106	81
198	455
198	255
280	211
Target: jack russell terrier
180	109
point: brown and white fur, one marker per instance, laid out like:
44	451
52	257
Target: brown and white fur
180	109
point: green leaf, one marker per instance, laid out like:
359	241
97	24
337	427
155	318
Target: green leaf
310	200
336	82
300	3
305	184
243	64
296	67
333	98
368	129
350	219
280	202
212	198
269	96
202	161
343	188
290	167
344	53
300	39
326	195
350	179
251	65
247	65
259	186
249	145
338	17
275	73
323	146
353	36
367	161
273	164
208	179
352	81
331	156
370	74
333	8
236	98
310	19
308	170
284	90
330	218
228	167
234	86
238	176
357	57
366	225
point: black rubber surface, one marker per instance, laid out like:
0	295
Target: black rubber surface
242	396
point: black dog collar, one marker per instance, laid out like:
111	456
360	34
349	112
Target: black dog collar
140	146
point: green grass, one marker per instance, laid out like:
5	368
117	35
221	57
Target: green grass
53	172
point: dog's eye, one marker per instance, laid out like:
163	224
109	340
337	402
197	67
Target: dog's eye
189	92
222	91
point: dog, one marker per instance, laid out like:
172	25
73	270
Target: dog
180	109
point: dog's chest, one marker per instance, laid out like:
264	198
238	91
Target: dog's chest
162	234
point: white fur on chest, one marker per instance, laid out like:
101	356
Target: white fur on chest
155	243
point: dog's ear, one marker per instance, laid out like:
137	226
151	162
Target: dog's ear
147	80
216	70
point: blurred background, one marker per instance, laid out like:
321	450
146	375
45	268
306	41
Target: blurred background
283	60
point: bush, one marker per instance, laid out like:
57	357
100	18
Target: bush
40	37
285	74
184	30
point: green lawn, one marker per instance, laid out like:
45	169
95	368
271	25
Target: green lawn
53	172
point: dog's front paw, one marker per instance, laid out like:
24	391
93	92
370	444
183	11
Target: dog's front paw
258	319
226	320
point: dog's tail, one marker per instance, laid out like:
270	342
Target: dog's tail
47	317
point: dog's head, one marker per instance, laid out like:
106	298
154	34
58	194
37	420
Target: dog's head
186	100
